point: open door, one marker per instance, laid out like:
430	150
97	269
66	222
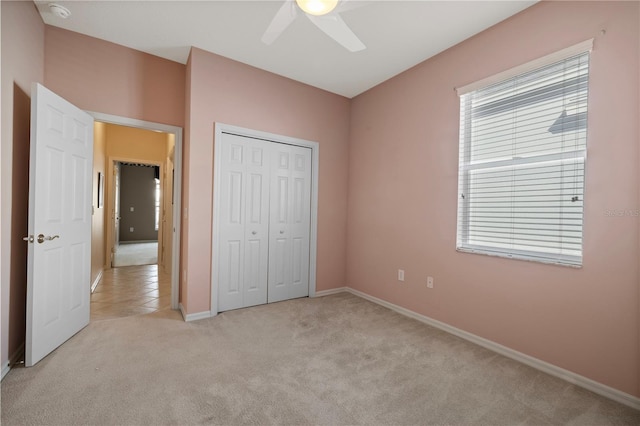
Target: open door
116	210
58	263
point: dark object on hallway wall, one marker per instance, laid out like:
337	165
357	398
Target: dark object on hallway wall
137	203
100	198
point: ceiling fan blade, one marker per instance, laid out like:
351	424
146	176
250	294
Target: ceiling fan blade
346	5
284	17
337	29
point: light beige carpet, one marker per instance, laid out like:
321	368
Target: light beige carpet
132	254
330	361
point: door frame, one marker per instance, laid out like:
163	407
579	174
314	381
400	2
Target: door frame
177	187
221	128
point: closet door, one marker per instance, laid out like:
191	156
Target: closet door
244	222
290	222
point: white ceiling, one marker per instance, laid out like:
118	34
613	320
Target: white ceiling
398	34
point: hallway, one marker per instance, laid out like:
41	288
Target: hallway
131	290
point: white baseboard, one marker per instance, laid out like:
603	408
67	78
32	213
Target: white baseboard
571	377
96	282
13	359
194	317
323	293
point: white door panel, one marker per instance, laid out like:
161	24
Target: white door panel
58	276
244	224
116	214
290	223
301	222
232	234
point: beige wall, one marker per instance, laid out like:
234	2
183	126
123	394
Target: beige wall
22	64
135	144
225	91
167	205
403	196
99	214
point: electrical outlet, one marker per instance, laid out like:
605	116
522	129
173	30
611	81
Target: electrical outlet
400	274
131	229
131	209
430	282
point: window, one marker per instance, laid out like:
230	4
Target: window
522	164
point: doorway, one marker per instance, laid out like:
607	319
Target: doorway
138	215
134	276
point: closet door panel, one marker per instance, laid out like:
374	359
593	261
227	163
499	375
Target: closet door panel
290	223
257	224
279	242
244	198
231	256
300	224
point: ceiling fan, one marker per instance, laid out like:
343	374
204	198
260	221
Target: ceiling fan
325	14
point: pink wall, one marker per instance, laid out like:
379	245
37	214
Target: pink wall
403	194
104	77
22	64
222	90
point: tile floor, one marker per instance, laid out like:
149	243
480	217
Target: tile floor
130	290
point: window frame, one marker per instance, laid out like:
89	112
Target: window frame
578	158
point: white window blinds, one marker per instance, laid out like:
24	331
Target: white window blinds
522	164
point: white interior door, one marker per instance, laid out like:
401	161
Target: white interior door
116	209
58	275
244	218
290	221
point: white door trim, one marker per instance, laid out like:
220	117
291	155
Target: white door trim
217	159
177	188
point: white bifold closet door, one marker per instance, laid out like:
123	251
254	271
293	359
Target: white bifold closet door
265	196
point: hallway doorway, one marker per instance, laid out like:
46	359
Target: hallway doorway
141	271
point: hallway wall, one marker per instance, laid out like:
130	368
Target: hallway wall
98	220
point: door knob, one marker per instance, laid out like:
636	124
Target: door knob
282	231
253	232
42	238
